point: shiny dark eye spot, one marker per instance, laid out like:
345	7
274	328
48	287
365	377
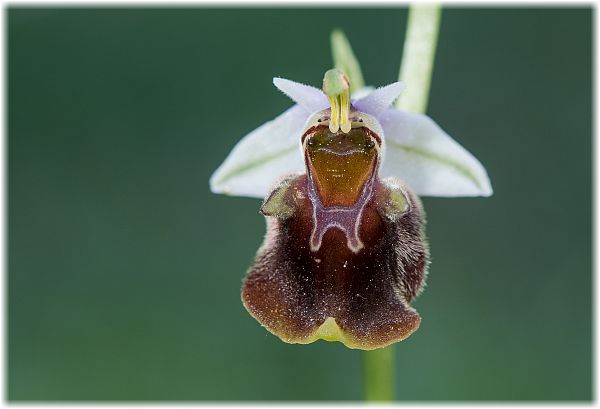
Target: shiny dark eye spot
370	144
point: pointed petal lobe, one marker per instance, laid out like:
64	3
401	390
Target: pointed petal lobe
379	100
310	98
262	156
432	163
361	93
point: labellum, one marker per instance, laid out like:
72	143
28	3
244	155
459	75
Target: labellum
345	250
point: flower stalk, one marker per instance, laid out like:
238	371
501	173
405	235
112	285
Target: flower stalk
378	373
418	56
415	70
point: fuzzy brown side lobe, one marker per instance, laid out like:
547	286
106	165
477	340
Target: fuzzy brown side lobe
291	290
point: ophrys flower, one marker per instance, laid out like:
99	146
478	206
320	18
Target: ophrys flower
345	251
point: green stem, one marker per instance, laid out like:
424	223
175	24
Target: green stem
415	71
418	56
378	372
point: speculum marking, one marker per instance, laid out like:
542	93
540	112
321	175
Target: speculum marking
347	219
341	169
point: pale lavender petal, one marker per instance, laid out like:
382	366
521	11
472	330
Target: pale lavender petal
261	157
311	98
362	92
419	152
379	100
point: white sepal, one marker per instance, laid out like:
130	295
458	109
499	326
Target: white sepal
262	156
424	156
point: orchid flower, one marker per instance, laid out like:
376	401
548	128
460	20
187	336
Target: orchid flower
341	175
345	251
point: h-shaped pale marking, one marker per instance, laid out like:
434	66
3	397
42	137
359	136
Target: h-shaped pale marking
344	218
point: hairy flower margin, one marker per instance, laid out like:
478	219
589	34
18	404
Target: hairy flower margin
343	258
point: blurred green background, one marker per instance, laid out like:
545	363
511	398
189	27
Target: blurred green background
125	271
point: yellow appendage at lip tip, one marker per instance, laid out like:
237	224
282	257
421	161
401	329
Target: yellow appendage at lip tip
330	331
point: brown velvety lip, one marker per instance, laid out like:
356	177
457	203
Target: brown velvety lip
358	298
